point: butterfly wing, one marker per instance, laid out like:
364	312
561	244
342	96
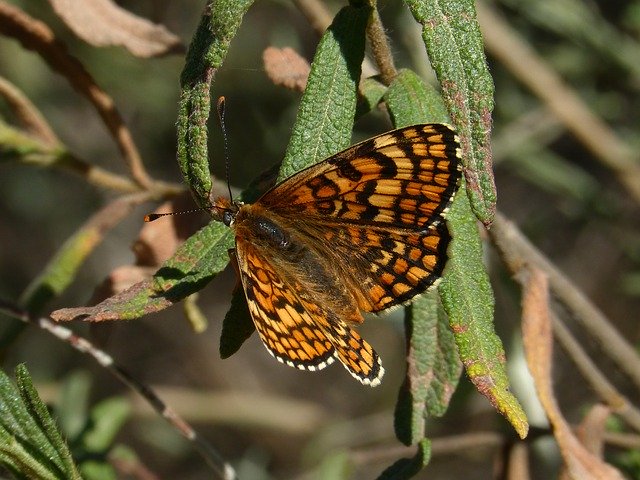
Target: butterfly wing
377	211
294	329
403	179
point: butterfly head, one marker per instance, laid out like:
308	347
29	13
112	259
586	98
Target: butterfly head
225	210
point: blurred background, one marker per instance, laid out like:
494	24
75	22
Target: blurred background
272	421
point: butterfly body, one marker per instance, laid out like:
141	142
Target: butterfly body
363	230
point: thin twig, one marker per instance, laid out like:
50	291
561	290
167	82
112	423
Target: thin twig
598	381
517	252
37	36
316	14
380	48
213	458
100	177
504	43
622	440
454	444
29	117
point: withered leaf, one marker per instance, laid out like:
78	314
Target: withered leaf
285	67
103	23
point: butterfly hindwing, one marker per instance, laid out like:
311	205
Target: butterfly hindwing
295	330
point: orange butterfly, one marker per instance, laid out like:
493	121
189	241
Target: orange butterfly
363	230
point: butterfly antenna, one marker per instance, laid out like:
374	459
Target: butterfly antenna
154	216
150	217
221	111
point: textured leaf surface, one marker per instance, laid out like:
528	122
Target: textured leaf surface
194	264
30	444
433	366
468	300
209	46
327	108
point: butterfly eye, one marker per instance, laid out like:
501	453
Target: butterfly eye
228	217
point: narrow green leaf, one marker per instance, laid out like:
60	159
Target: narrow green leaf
407	468
411	101
218	26
63	267
237	325
454	44
198	260
468	300
107	418
38	410
30	444
327	108
433	368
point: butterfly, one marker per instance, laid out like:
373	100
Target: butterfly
362	231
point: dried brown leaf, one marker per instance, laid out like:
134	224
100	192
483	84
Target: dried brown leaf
37	36
518	467
538	345
159	240
103	23
285	67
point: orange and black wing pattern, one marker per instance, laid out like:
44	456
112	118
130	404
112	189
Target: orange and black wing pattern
381	205
296	330
404	179
363	230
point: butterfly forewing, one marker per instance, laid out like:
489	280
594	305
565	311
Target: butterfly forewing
402	179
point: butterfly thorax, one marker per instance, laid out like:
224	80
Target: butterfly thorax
312	276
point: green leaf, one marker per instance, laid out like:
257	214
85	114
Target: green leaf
198	260
456	51
30	444
433	368
237	325
327	108
407	468
468	300
411	101
107	418
207	50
